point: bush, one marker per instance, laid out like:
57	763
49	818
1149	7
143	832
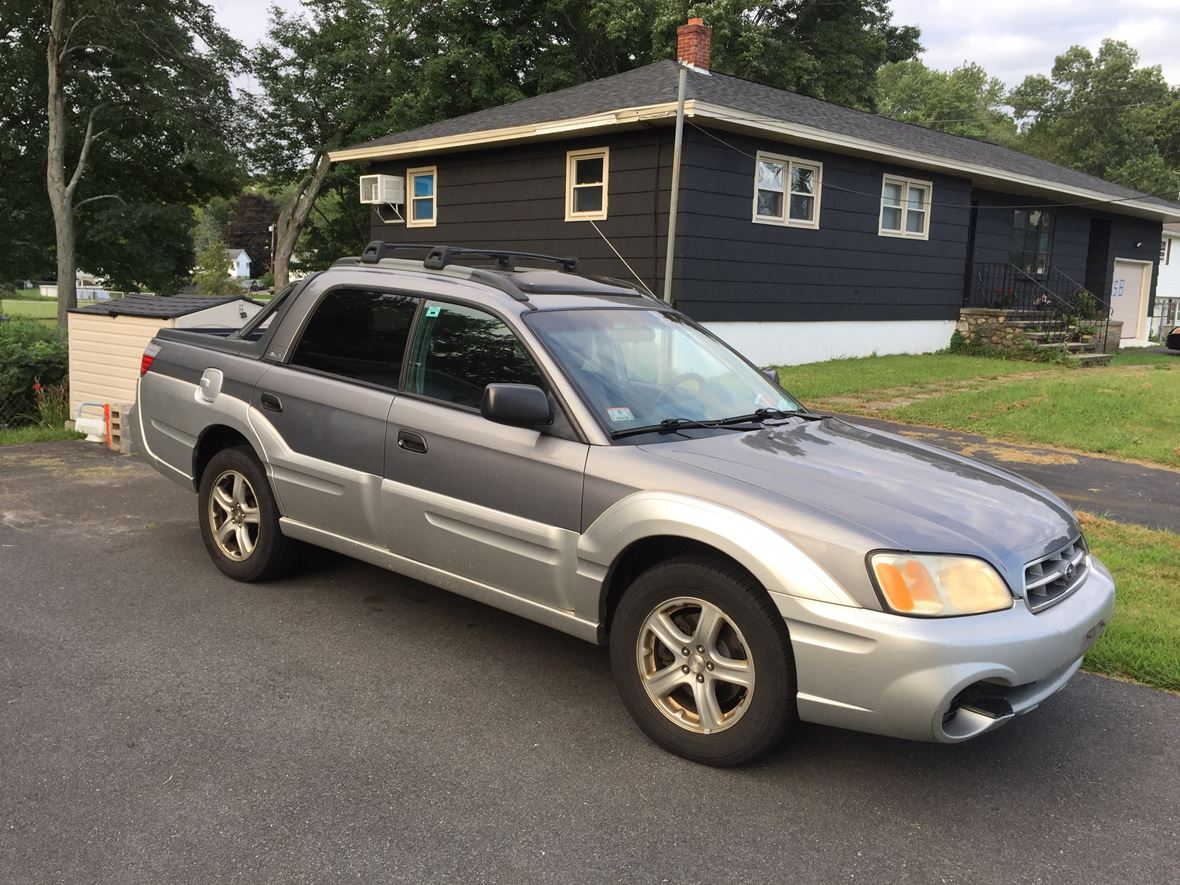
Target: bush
31	353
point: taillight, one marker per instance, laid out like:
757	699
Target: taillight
149	356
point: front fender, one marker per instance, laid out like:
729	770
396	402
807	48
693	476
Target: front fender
772	559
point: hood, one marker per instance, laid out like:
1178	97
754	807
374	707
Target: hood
901	494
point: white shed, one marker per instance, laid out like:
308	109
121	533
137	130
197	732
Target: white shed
107	340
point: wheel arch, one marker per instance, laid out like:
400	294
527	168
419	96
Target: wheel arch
648	527
212	440
645	553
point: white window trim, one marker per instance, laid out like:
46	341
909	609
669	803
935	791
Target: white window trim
570	159
905	211
432	221
788	162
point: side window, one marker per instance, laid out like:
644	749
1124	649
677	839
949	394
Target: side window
359	334
458	351
423	195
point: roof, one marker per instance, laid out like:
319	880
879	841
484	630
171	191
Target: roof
649	93
234	253
159	306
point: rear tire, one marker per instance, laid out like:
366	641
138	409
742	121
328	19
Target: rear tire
702	660
239	517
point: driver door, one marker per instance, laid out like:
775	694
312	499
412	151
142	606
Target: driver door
490	503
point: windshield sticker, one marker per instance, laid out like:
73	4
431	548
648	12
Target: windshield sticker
433	310
620	413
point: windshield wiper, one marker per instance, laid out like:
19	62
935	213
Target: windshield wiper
763	414
670	425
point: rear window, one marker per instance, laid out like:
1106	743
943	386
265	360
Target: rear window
358	334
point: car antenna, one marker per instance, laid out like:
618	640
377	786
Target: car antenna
622	259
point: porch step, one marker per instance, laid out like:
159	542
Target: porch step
1071	346
1094	359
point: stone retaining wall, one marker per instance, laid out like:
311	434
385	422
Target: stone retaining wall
990	326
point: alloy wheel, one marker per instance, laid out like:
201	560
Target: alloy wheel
695	665
234	516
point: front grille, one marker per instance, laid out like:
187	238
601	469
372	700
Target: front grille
1051	579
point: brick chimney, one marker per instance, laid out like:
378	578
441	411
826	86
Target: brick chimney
694	42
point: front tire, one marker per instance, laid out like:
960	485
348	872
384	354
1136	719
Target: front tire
702	660
239	517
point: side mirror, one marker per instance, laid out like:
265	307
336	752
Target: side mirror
517	405
770	372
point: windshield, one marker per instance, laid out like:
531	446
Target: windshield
636	368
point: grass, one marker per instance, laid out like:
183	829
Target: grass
15	436
1142	642
1130	409
817	381
45	309
1131	412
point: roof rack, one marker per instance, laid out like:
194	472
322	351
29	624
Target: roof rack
439	257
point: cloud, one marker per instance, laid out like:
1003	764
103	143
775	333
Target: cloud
1014	38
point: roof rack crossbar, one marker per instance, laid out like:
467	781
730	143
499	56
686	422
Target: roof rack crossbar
378	249
439	257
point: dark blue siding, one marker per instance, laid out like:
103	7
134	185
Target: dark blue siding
733	269
514	197
1082	249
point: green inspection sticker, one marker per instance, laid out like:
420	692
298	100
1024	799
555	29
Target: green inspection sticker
433	310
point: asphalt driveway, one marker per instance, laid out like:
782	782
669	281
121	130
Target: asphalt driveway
161	723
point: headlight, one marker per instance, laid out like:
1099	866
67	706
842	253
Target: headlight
938	586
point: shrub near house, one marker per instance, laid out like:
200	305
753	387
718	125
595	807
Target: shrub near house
30	353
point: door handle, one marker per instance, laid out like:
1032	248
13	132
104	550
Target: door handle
411	442
272	403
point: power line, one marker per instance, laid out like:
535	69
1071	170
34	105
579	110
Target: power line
932	204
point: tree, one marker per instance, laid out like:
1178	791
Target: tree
329	76
247	226
964	101
125	107
212	274
1104	115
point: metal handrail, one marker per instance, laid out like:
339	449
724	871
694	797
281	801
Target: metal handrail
1057	303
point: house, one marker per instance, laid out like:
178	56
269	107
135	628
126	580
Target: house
107	340
239	263
87	287
804	230
1166	313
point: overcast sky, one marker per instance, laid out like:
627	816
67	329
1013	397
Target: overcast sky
1010	38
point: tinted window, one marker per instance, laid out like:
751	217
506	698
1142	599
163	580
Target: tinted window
459	350
359	334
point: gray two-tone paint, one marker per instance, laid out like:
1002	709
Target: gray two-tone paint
533	523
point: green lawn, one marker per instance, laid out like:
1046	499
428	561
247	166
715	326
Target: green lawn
817	381
1130	412
1130	409
15	436
1143	640
45	309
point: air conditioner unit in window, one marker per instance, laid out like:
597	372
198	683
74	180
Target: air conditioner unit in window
389	190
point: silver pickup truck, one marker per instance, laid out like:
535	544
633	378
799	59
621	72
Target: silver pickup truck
576	452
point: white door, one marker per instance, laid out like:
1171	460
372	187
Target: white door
1128	296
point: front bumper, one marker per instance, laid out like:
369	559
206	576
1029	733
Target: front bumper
939	679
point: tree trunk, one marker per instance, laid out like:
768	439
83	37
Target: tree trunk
293	216
60	193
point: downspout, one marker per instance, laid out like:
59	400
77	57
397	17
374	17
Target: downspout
677	147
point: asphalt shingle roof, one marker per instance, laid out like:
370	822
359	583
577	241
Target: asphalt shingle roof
156	305
656	84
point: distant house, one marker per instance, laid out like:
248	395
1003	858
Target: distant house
87	286
805	230
239	263
1167	308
